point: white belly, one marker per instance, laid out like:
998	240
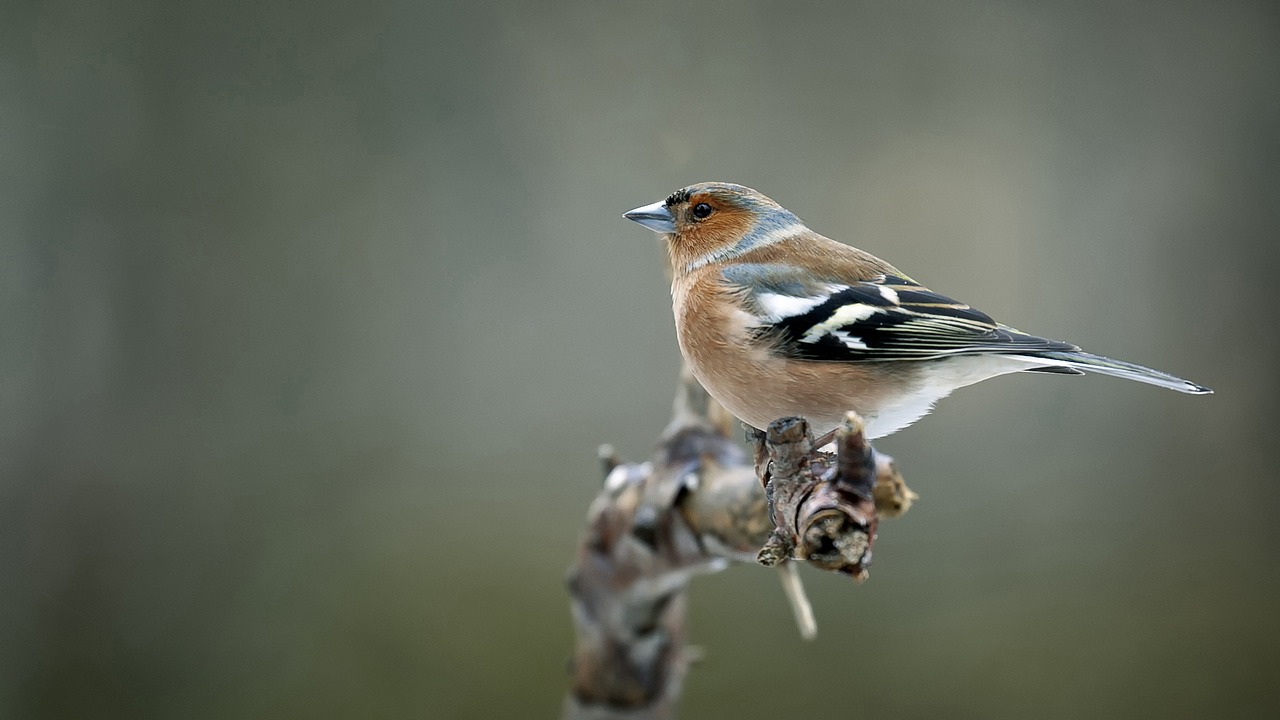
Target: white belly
939	381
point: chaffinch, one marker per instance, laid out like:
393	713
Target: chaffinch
777	320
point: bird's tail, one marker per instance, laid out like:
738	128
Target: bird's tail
1079	360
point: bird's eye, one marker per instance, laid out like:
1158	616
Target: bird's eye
701	211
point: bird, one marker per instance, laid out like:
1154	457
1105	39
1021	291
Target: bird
776	320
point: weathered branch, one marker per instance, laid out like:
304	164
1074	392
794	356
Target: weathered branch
698	505
823	506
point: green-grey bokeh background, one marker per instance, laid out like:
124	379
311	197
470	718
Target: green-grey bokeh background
313	315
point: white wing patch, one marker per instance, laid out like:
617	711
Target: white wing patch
779	307
846	315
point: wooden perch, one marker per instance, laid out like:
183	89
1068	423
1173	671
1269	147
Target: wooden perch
695	507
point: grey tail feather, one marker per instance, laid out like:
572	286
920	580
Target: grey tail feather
1079	360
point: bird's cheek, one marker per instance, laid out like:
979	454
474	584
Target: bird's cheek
705	239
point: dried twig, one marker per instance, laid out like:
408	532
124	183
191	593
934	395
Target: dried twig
698	505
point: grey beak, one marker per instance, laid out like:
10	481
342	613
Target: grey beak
656	217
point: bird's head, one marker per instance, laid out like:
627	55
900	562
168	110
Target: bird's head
714	221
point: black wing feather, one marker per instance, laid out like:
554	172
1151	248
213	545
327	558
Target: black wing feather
894	318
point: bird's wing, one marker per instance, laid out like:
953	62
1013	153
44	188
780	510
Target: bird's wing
886	317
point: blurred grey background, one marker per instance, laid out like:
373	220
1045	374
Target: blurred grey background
314	314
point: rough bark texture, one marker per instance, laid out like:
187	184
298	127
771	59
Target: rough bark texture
695	507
